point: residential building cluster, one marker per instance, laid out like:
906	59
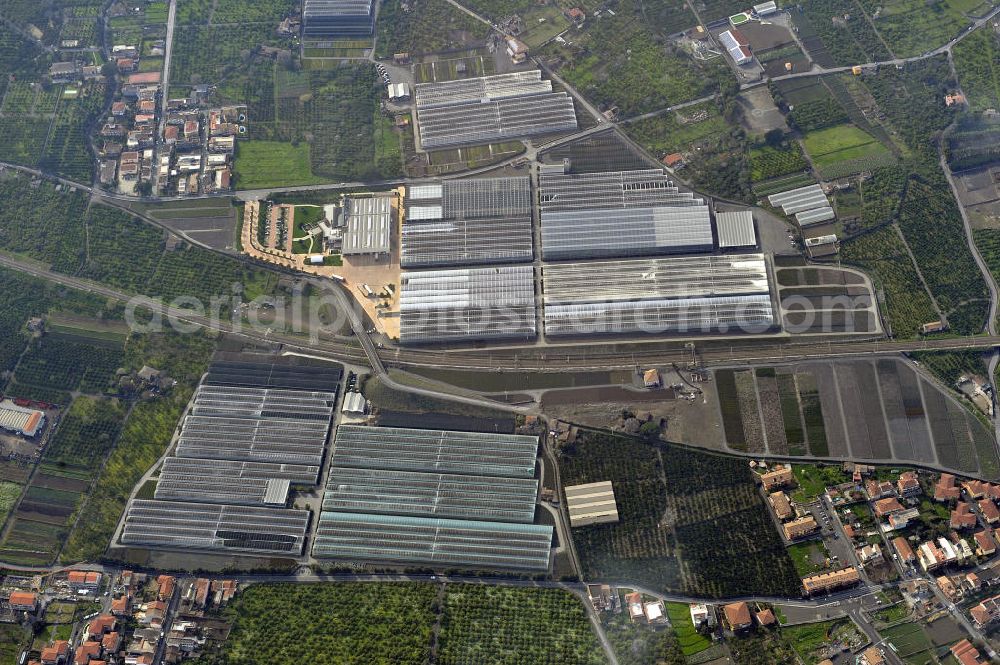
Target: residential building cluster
127	138
144	619
198	146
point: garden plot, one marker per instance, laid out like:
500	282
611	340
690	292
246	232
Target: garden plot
880	410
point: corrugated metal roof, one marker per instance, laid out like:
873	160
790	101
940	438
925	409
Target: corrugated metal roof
735	229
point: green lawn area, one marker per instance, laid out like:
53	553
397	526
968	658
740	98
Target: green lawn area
813	480
911	643
305	215
262	164
805	555
8	495
841	143
690	640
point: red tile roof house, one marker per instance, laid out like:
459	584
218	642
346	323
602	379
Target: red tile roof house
23	601
737	616
966	654
989	511
57	654
908	484
985	544
945	489
963	517
87	652
884	507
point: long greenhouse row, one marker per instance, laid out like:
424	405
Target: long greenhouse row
256	428
433	497
594	227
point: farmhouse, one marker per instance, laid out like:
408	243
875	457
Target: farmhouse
781	476
782	506
737	616
21	420
737	45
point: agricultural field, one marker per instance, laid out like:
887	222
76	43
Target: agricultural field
512	625
903	298
313	126
976	62
767	162
214	53
812	640
911	643
679	131
144	436
59	362
9	493
842	42
672	502
881	411
618	61
362	622
273	164
974	143
911	27
115	248
843	150
85	436
691	642
635	644
425	27
43	128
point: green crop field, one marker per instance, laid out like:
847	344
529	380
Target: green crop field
273	164
841	143
368	622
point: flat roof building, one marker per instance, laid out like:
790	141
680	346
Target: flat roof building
337	18
369	225
592	503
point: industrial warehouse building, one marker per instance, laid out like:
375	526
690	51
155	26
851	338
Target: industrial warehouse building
466	304
490	108
369	225
619	214
688	294
256	427
467	222
433	497
324	19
